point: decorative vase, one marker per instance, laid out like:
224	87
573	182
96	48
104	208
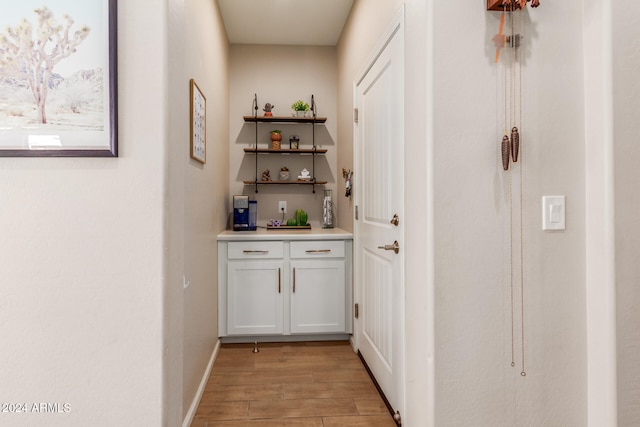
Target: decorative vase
276	137
300	113
327	209
285	175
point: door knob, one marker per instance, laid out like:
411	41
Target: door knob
395	247
395	220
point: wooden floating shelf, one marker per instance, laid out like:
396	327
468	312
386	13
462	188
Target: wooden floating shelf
285	151
284	119
284	182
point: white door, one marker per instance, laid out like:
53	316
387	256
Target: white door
379	192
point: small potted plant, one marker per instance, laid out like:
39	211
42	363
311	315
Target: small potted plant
300	108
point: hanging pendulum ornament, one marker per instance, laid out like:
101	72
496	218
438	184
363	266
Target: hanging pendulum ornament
515	144
513	151
500	39
506	152
506	143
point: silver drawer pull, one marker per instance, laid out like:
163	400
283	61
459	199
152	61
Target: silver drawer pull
254	252
319	251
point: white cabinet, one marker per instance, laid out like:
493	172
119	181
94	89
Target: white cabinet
254	297
317	301
317	297
275	288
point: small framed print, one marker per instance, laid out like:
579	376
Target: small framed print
198	123
294	141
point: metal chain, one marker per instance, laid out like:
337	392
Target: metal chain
523	372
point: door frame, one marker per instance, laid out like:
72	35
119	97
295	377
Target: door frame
396	25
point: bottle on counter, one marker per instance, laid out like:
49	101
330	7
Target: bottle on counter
327	209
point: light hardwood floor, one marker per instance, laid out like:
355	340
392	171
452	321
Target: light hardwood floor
290	384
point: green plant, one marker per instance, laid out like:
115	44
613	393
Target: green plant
300	106
301	217
276	131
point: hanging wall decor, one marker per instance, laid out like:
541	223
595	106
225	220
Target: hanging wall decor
509	41
499	5
347	175
198	123
58	79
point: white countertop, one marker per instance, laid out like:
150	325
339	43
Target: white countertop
316	233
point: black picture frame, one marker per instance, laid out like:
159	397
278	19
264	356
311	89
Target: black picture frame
95	141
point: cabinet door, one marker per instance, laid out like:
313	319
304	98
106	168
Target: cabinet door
317	296
254	297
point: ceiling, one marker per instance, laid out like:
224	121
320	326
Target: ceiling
285	22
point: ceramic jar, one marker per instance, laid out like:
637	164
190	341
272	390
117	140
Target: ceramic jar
276	137
285	175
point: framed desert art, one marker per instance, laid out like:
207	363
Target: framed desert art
198	123
58	79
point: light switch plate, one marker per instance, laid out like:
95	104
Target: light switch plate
553	213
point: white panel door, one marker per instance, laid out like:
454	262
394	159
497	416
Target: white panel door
317	296
379	191
254	297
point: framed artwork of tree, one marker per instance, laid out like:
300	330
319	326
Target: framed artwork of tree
58	79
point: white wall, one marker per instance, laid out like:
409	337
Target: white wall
205	187
173	295
364	27
82	257
475	384
626	104
281	75
600	215
197	200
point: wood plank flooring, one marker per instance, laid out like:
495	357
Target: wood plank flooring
312	384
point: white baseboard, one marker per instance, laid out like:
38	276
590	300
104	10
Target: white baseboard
283	338
188	419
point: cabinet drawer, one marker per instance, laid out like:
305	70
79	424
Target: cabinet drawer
255	250
318	249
